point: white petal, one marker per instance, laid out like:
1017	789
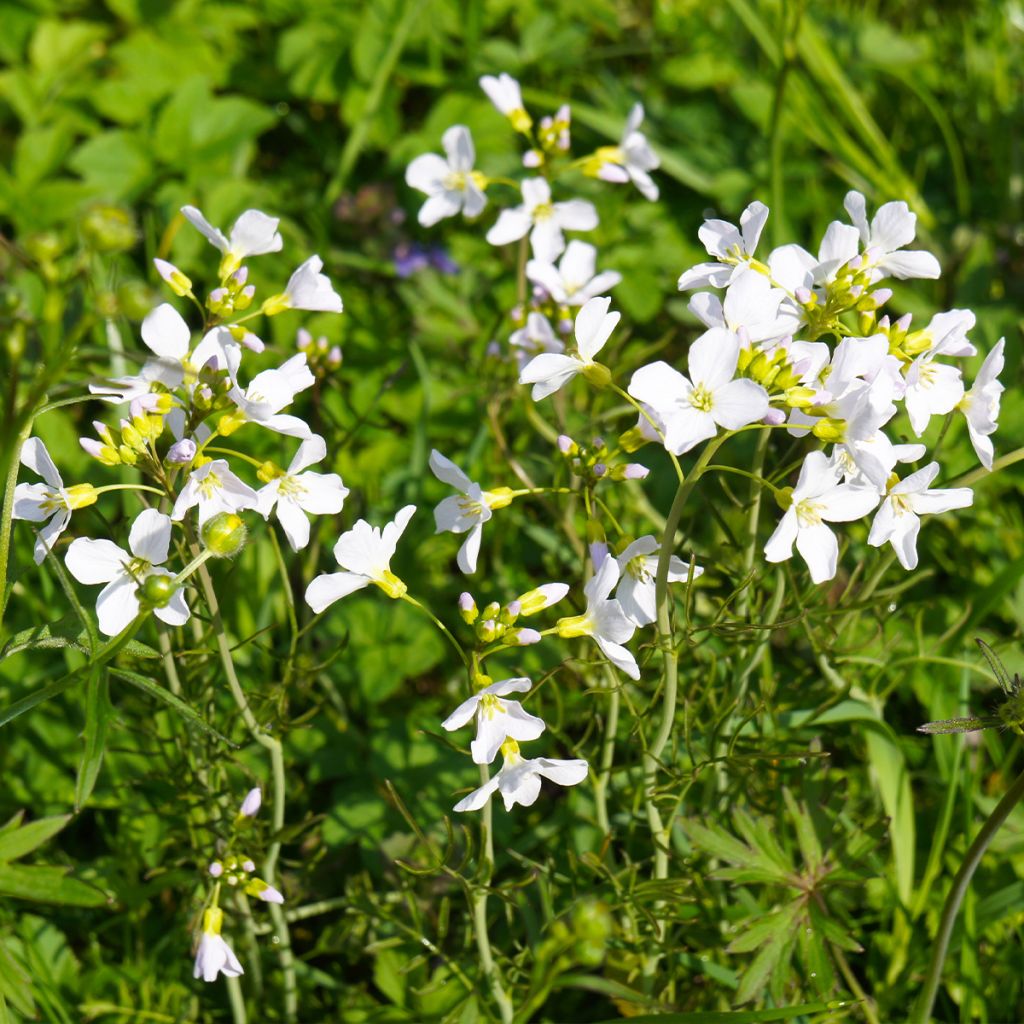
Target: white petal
294	523
330	587
254	233
463	714
780	545
117	605
549	372
311	451
438	207
478	797
150	536
565	773
912	264
576	215
201	224
393	531
510	226
323	494
458	145
820	550
28	503
34	456
447	472
738	403
659	386
713	357
594	325
619	657
95	561
426	173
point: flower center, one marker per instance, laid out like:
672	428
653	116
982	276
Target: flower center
137	568
901	504
455	181
543	211
637	568
808	513
291	487
490	705
702	399
209	486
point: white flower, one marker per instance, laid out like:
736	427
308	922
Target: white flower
101	561
214	488
253	234
732	247
933	389
518	781
693	410
52	501
214	956
269	392
750	309
496	719
365	553
294	493
551	370
817	499
307	289
536	337
892	227
505	94
604	620
467	513
898	522
543	219
980	405
638	565
575	280
450	185
632	159
252	803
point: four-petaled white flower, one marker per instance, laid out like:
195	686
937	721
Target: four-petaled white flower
544	220
980	405
518	780
505	94
535	337
365	553
214	956
101	561
294	492
51	500
638	566
214	488
308	289
604	619
817	499
692	409
575	280
898	522
270	391
496	719
467	513
933	389
552	370
253	234
892	227
450	184
632	159
732	247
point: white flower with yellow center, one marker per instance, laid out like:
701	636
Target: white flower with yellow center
574	281
125	573
638	567
294	492
817	499
50	502
632	159
518	780
892	227
496	719
732	247
898	520
980	405
214	956
933	389
604	619
465	513
544	220
253	234
451	185
365	553
214	488
507	97
267	394
307	289
692	409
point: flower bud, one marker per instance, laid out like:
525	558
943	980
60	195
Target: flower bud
774	417
224	534
525	637
467	608
600	469
567	446
632	440
176	280
216	869
487	630
830	429
597	374
182	451
251	803
511	612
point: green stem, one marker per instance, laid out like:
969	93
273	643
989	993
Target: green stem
926	1001
749	552
603	779
409	599
237	1001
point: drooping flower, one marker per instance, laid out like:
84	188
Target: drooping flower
214	956
518	780
552	370
268	393
253	234
101	561
604	619
365	553
543	220
50	502
574	280
214	488
892	227
898	519
638	567
632	159
496	719
505	94
980	405
732	247
295	491
692	409
465	514
817	499
307	289
450	184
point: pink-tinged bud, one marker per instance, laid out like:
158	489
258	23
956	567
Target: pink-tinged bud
303	339
598	553
539	294
216	869
204	391
516	313
321	344
856	263
252	343
466	602
634	471
493	350
803	295
903	323
249	291
600	469
514	608
92	447
269	894
883	323
136	408
240	276
857	291
774	417
597	444
251	803
334	357
248	865
182	452
565	326
525	637
531	158
881	296
218	295
566	444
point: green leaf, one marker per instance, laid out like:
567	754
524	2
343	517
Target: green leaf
755	977
98	714
44	884
765	928
64	633
15	985
44	693
116	163
15	843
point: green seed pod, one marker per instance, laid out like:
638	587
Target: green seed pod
224	534
157	590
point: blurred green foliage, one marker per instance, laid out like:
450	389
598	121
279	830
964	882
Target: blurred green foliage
114	114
